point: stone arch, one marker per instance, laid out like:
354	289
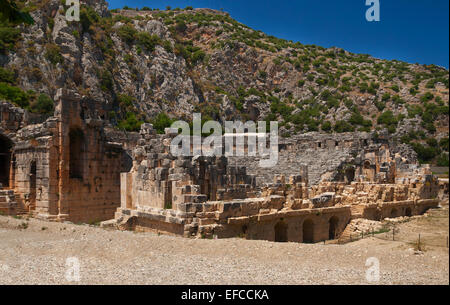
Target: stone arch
394	213
281	231
76	158
333	227
33	179
408	212
5	159
349	174
308	231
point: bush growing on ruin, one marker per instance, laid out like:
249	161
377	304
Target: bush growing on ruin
43	105
15	95
161	122
131	123
326	126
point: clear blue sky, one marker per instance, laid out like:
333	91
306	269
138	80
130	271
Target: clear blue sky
415	31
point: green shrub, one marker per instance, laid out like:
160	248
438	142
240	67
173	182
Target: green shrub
343	126
130	123
15	95
106	81
428	96
43	105
128	33
425	153
8	38
125	101
161	122
442	160
53	53
443	143
326	126
88	17
181	26
7	76
388	119
148	41
395	88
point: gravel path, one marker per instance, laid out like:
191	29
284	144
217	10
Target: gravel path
37	254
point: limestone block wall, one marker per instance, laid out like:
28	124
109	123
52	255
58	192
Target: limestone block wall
66	168
89	165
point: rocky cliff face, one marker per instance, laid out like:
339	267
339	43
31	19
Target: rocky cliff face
134	65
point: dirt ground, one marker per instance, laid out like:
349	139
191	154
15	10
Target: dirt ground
38	252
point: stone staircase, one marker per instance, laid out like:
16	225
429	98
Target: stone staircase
11	203
347	236
8	204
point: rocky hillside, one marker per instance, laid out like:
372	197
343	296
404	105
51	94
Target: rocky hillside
156	66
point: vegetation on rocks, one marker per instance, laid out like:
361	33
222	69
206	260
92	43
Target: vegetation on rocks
171	62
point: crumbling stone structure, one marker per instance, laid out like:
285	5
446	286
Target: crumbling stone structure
209	197
65	168
71	166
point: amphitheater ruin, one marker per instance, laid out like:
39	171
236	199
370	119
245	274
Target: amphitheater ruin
74	167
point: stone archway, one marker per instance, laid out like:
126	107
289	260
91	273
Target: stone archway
33	184
349	175
394	213
333	226
308	231
5	159
281	232
76	159
408	212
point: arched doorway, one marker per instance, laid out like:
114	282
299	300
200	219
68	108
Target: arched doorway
76	161
308	231
408	212
5	160
32	191
349	175
333	225
394	213
281	232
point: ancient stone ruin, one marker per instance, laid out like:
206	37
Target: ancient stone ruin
210	197
73	167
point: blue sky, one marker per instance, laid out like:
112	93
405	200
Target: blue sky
415	31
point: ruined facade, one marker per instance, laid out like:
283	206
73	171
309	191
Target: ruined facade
212	197
64	168
71	166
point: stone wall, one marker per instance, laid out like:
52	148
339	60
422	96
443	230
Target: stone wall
322	154
207	197
66	168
